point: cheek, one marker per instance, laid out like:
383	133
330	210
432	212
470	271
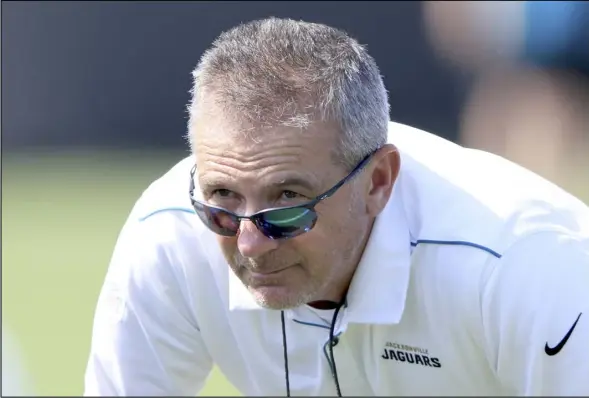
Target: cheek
339	230
323	243
337	220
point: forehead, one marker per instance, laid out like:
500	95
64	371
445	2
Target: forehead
224	146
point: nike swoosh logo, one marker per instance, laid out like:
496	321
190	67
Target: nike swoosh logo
550	351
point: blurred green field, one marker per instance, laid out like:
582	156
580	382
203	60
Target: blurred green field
61	214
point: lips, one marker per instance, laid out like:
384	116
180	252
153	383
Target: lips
265	272
268	272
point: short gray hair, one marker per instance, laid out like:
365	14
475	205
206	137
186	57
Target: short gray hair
285	72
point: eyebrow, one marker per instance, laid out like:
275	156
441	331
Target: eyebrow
292	181
296	181
212	182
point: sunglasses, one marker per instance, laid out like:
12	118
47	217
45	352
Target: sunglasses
274	223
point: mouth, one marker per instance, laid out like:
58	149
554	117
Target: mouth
269	278
268	273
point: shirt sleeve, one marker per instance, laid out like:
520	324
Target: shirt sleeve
536	316
145	339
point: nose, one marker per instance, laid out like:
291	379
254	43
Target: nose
251	242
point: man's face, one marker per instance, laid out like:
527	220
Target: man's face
246	175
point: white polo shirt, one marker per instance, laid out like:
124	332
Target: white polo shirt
473	276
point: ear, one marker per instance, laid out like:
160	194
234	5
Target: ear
383	171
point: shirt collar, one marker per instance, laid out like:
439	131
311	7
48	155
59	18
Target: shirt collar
379	287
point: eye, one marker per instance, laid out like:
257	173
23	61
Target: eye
290	195
222	193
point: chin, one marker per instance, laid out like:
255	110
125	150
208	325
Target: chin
277	297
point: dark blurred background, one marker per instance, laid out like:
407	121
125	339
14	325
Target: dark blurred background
118	73
93	110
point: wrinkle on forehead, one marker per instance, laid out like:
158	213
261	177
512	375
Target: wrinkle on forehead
240	149
266	164
264	168
240	152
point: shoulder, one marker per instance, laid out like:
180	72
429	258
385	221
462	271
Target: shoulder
545	256
539	282
163	218
162	222
162	243
479	223
475	199
546	263
167	194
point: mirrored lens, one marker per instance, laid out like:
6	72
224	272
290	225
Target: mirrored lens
283	223
217	220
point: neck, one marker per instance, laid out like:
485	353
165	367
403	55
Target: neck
323	304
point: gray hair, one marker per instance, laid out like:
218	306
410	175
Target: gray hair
285	72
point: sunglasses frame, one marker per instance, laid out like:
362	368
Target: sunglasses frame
258	217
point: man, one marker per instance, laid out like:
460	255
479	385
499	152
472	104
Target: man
335	253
